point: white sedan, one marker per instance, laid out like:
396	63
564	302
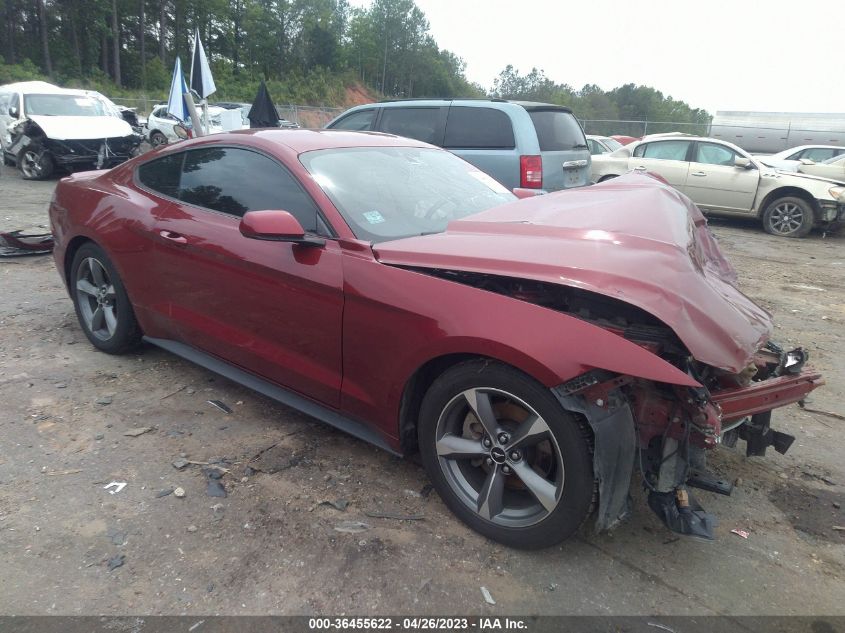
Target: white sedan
789	159
833	168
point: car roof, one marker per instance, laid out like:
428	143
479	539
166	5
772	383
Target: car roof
528	105
42	87
303	140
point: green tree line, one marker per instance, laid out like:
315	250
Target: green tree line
307	50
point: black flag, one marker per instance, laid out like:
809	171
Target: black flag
263	113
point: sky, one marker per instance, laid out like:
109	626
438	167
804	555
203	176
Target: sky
769	55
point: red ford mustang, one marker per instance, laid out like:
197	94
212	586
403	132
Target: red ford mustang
538	353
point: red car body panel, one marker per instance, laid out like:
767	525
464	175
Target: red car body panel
624	239
347	325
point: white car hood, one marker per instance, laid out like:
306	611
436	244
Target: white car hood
67	128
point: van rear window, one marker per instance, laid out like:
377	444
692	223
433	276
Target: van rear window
478	128
557	130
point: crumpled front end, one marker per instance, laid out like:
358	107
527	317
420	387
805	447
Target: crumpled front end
635	258
98	153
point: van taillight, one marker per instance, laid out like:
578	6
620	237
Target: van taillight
531	172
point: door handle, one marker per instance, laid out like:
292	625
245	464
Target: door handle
698	173
173	237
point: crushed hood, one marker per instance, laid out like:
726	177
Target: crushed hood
631	238
72	128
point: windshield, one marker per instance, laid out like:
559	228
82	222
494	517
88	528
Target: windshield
387	193
63	105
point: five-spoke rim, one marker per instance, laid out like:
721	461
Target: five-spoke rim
500	457
786	217
96	297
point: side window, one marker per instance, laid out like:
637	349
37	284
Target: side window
162	175
417	123
594	146
358	121
234	181
4	103
663	150
158	112
819	154
478	128
712	154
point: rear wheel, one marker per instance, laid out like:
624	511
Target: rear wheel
788	217
101	303
505	456
35	165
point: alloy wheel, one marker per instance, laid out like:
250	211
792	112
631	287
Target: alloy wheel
786	218
500	457
97	299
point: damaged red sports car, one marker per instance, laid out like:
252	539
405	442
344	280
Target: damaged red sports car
540	354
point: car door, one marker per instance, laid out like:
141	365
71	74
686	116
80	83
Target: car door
273	308
716	184
668	158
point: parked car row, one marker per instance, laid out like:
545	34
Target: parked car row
722	179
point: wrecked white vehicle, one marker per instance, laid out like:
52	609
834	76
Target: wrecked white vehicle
44	128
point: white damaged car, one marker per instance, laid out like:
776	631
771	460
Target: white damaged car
44	128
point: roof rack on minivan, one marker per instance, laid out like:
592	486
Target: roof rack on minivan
493	99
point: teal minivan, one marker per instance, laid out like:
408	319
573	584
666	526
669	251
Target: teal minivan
519	143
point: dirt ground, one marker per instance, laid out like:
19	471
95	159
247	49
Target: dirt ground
271	546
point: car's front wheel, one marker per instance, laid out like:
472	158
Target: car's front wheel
788	217
101	303
505	456
35	165
157	139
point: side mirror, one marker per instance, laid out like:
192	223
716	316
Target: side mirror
276	226
806	161
14	112
741	162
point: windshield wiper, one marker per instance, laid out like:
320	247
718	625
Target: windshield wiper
580	146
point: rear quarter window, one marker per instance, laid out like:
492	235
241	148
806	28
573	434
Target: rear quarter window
478	128
557	130
162	175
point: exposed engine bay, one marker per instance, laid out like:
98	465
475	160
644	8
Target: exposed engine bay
658	429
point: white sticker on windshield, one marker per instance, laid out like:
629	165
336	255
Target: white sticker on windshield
494	184
373	217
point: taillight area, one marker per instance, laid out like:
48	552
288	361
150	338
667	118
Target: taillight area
531	172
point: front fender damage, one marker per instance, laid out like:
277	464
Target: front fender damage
614	450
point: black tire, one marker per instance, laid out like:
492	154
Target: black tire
609	177
116	334
554	458
35	165
157	139
788	217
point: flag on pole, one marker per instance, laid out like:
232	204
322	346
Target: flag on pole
201	80
176	105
